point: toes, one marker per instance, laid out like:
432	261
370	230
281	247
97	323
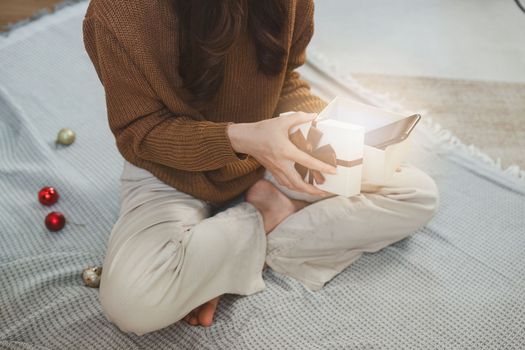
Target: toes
194	320
192	317
203	315
207	312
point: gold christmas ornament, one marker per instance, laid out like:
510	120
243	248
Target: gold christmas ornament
65	136
91	276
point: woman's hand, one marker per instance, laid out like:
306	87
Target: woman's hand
268	142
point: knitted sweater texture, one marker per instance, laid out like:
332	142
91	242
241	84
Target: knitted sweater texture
134	48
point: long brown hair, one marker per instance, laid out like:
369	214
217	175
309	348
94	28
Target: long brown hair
210	27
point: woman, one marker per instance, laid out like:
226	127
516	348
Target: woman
194	92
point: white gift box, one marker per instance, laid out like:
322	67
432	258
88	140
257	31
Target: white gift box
343	124
378	164
341	143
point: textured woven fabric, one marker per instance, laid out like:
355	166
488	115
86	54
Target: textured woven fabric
458	283
135	50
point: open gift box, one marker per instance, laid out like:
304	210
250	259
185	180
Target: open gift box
337	136
378	164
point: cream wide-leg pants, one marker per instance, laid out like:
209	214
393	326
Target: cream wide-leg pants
169	253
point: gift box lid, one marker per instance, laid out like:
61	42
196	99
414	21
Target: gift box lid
349	111
347	139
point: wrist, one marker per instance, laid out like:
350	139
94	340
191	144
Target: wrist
237	133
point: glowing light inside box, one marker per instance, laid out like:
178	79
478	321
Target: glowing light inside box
369	117
378	165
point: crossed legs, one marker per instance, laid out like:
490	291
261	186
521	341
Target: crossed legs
319	241
274	207
167	257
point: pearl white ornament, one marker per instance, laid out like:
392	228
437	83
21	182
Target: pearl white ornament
65	136
91	276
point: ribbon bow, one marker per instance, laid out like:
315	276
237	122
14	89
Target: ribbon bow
324	153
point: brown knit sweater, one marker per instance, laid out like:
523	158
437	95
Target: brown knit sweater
134	49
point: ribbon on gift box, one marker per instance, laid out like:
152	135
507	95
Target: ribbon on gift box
324	153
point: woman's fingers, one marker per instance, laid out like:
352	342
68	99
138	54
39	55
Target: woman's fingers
292	180
302	157
273	149
297	154
298	184
298	118
281	178
310	162
288	177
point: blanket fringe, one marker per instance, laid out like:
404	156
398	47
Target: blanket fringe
444	139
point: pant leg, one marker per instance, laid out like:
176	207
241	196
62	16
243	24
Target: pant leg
166	255
319	241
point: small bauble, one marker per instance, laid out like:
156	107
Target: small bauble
65	136
91	276
48	195
55	221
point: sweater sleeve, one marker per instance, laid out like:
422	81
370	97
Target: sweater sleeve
295	93
139	120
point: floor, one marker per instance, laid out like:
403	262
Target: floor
462	61
467	39
15	10
487	114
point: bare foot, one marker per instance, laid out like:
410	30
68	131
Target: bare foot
203	315
273	205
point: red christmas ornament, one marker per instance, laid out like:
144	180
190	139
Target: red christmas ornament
48	196
55	221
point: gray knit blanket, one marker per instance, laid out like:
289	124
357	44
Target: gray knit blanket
457	283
